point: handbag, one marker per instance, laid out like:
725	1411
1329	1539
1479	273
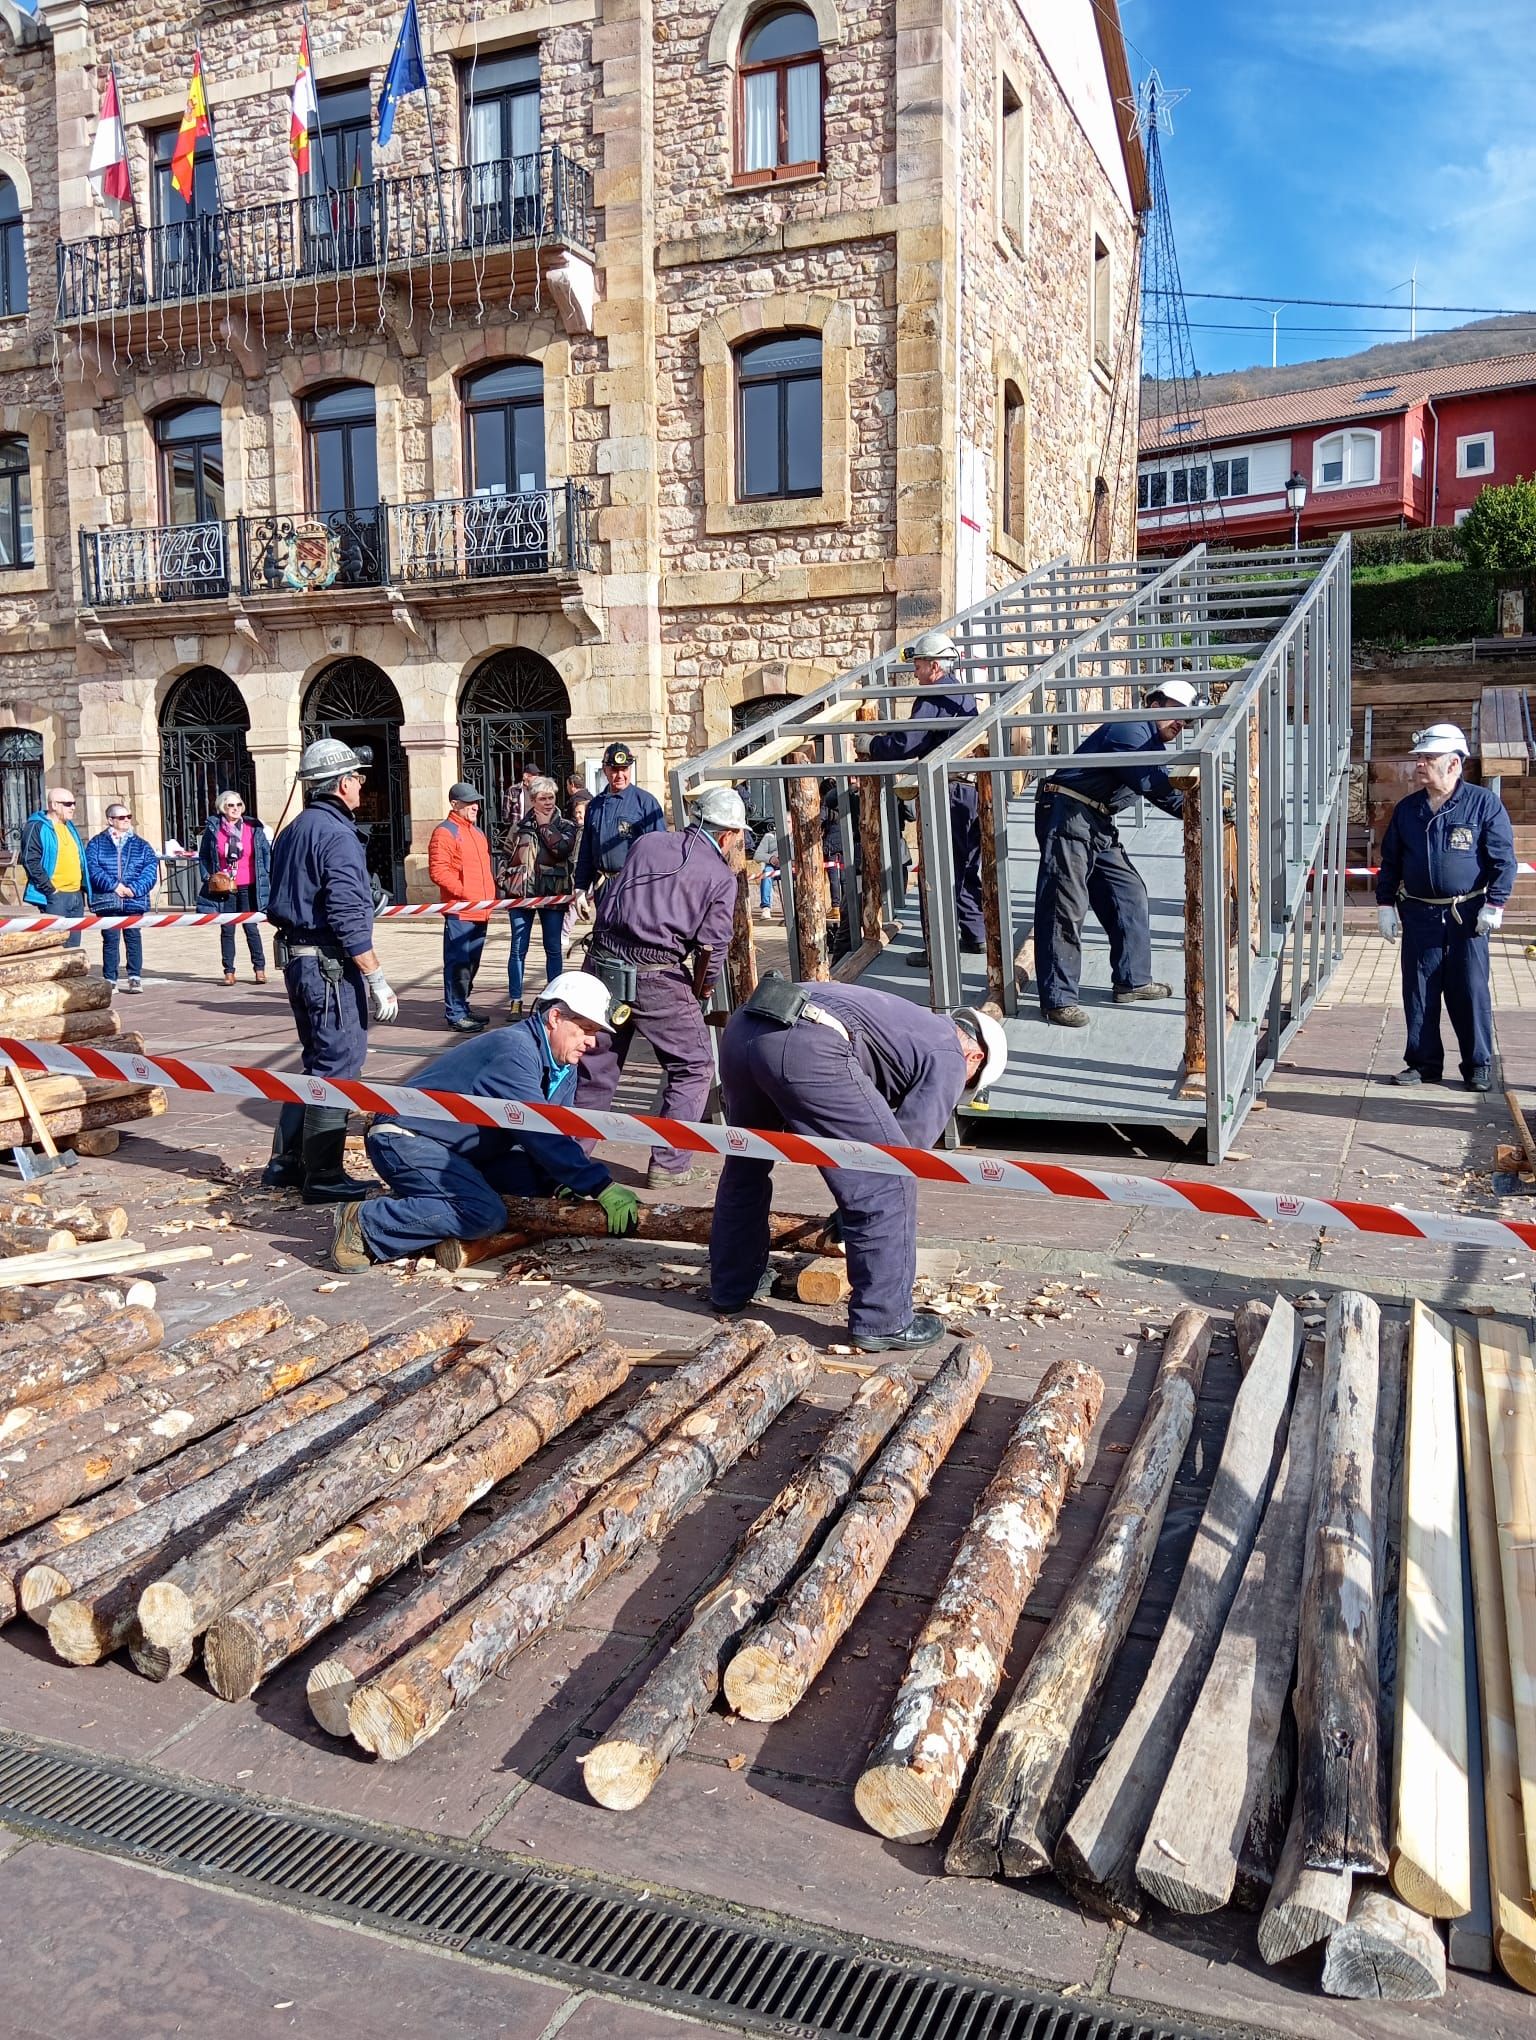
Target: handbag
220	884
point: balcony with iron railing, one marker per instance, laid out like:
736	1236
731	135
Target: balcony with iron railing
411	547
469	218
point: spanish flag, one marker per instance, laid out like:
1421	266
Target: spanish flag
305	117
194	125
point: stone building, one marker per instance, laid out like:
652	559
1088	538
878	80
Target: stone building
672	356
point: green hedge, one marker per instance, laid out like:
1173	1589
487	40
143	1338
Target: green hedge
1436	602
1397	548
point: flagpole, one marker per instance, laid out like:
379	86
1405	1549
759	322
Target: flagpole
437	165
314	87
117	99
213	139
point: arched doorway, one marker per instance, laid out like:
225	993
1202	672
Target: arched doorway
203	724
512	714
757	793
352	699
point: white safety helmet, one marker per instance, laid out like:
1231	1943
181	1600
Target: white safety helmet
1177	693
720	807
580	993
934	644
992	1039
1438	741
328	760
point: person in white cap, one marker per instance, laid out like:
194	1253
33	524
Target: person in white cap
446	1181
1083	865
1447	871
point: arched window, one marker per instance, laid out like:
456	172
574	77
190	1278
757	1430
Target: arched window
343	476
1347	460
504	429
21	783
191	447
1015	447
778	417
13	254
15	504
778	109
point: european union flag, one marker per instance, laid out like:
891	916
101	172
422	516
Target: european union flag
406	73
26	7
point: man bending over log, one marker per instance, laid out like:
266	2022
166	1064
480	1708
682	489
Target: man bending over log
851	1064
447	1181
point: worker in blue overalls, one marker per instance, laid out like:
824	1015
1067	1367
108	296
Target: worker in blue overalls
1447	871
1083	865
933	658
447	1181
616	820
321	903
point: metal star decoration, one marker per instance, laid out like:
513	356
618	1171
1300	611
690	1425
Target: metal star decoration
1153	105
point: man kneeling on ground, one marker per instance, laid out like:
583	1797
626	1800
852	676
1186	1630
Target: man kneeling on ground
447	1181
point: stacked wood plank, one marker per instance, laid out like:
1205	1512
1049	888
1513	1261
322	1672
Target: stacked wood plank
47	994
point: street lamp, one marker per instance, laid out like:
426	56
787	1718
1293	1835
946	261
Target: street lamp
1296	502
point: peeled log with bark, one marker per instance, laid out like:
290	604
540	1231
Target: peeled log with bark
38	1359
771	1673
43	970
546	1218
1096	1856
33	1239
36	1422
213	1396
621	1770
175	1610
76	1303
1384	1950
802	799
919	1762
110	1223
416	1696
463	1572
1189	1860
1336	1682
1248	1322
20	1003
1013	1817
248	1642
109	1105
87	1595
32	941
97	1026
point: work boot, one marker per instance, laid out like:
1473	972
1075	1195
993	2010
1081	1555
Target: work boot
761	1294
1066	1016
467	1023
1481	1078
922	1331
971	945
1132	995
325	1178
918	960
349	1250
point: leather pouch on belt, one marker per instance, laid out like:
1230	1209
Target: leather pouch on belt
622	979
776	999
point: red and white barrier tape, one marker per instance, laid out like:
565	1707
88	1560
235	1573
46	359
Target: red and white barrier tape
982	1172
1372	870
27	924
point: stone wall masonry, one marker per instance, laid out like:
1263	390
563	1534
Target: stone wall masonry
859	273
28	146
696	127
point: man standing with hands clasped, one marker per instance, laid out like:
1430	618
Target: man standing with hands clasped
1447	871
322	907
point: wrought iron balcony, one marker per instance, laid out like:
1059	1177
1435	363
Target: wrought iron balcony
403	545
169	563
394	222
542	531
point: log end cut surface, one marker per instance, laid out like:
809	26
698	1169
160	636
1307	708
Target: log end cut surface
73	1634
620	1774
900	1804
381	1725
232	1658
42	1587
759	1687
1385	1950
329	1691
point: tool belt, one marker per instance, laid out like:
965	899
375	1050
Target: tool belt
619	977
333	965
1098	806
775	998
1455	901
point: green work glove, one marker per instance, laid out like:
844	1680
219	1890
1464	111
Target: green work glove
621	1208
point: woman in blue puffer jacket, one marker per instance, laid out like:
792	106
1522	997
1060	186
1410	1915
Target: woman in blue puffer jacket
120	874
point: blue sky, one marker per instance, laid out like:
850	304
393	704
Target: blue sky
1328	146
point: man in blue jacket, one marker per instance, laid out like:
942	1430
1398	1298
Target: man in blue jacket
931	723
616	820
321	904
1447	870
121	871
447	1181
1083	865
53	857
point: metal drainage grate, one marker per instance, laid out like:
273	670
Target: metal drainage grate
579	1930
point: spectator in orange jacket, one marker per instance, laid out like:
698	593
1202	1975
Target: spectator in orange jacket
459	865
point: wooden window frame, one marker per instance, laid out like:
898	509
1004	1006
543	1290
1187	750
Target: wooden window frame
781	172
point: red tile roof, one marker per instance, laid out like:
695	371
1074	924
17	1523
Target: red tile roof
1259	417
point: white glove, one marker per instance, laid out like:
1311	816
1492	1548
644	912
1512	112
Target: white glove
1489	918
1387	922
382	1003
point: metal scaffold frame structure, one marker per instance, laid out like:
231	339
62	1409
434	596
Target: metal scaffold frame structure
1265	764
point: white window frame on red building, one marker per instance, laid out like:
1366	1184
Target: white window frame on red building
1468	470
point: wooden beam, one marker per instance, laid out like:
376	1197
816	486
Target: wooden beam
1509	1394
1194	941
1431	1864
803	804
999	941
871	857
1522	1131
1096	1857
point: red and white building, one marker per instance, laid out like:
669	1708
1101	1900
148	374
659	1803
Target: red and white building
1374	454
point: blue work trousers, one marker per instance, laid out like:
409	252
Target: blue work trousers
1445	960
463	942
667	1014
113	940
551	924
332	1025
807	1079
435	1193
1083	869
965	841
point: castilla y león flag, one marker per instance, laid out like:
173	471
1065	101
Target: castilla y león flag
194	125
109	153
306	109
